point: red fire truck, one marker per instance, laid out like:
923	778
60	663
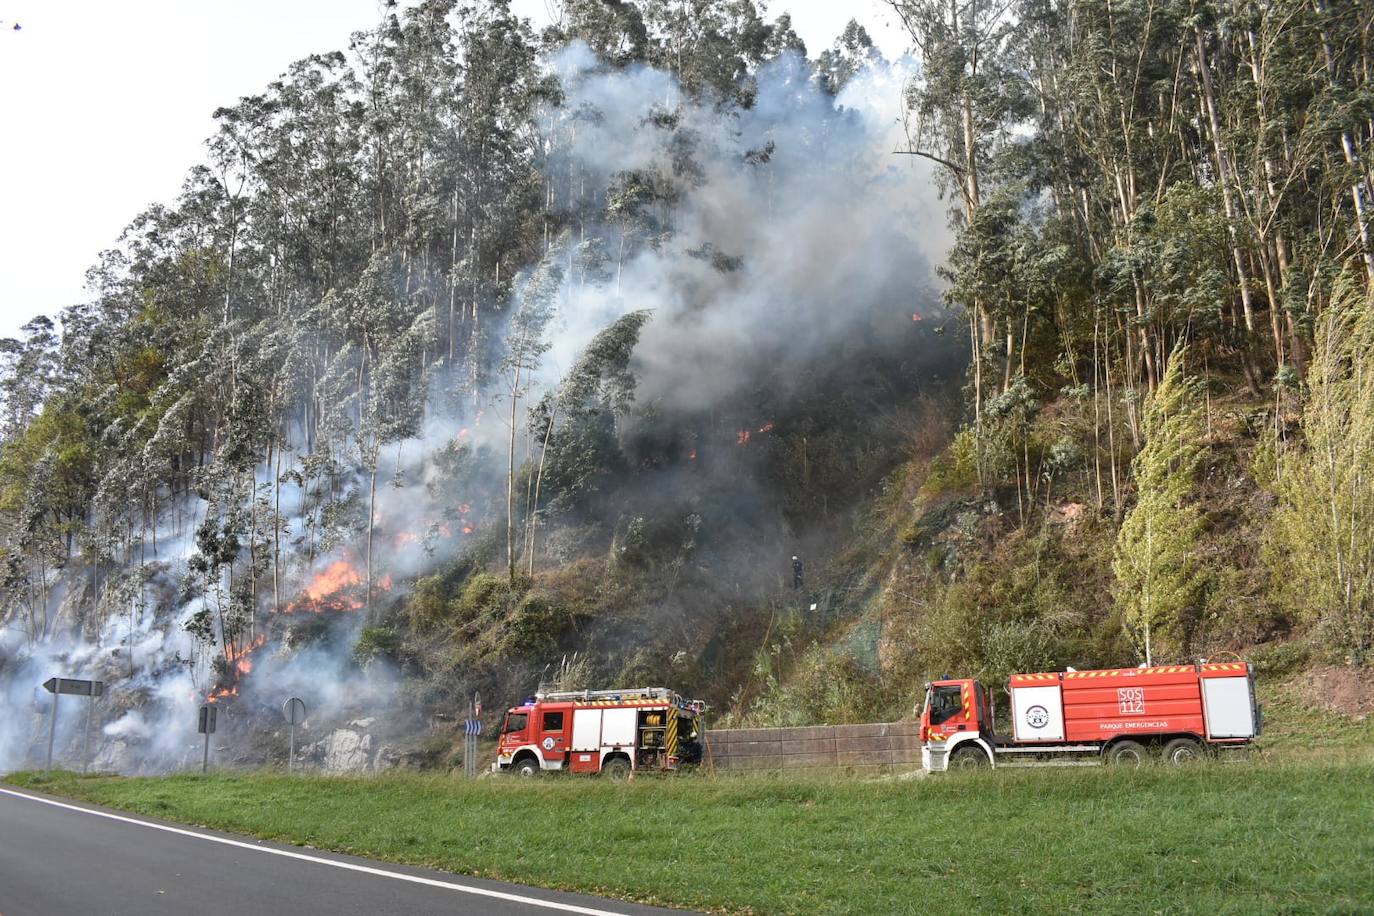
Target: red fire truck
1120	715
615	732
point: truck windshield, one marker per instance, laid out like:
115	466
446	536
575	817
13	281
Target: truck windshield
515	722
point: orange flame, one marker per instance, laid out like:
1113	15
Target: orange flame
240	663
916	316
468	529
692	455
767	427
336	575
405	539
742	437
220	693
385	583
335	588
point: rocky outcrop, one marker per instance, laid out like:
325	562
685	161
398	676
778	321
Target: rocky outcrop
350	749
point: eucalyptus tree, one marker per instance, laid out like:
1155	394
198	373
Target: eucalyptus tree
613	29
963	105
27	370
711	47
526	343
852	52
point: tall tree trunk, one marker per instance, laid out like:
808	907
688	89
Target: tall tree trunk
371	527
1224	178
538	482
510	474
1359	185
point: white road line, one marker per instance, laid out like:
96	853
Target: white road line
304	857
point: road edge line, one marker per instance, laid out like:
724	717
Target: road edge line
306	857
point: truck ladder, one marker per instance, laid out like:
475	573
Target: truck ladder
636	693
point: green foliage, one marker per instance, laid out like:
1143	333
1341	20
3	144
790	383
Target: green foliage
1280	658
1322	550
488	597
956	469
1031	603
1156	563
533	629
821	685
427	605
374	643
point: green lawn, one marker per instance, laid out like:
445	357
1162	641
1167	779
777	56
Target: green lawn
1254	836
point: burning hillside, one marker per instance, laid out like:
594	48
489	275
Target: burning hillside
339	588
698	363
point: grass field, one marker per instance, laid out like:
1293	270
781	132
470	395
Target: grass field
1243	837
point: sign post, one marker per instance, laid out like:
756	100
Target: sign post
86	739
82	688
294	711
52	727
208	714
472	728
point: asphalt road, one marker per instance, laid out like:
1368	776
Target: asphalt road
59	857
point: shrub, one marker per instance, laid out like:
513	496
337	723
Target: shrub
374	643
488	595
956	470
1280	658
427	605
533	629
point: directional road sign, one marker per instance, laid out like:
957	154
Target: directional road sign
82	688
74	686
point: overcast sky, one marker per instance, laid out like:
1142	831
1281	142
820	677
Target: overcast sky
104	106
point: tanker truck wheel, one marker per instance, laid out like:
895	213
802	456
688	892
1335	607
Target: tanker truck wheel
616	768
1128	754
526	768
968	758
1182	751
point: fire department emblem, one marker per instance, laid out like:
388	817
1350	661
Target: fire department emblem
1037	717
548	744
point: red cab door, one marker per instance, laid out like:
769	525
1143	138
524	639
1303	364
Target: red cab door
552	733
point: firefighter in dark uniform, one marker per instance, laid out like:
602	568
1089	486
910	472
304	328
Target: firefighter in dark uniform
796	572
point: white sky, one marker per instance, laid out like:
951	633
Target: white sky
104	106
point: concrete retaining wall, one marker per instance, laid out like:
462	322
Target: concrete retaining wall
877	747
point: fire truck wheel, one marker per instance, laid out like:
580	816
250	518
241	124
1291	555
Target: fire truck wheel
527	767
967	758
616	768
1128	753
1182	751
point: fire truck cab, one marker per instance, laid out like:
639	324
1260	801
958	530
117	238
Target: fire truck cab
616	732
1121	715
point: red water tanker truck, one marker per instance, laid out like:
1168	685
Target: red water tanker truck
1118	715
